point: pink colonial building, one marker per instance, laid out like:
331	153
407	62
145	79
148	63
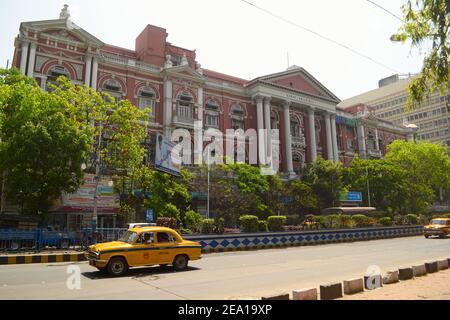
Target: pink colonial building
170	80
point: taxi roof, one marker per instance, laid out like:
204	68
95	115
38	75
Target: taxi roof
152	228
440	219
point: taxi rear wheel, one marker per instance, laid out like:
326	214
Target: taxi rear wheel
117	266
180	262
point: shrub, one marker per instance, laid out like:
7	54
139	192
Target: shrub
263	226
276	223
361	220
293	220
345	221
167	222
412	219
185	231
207	226
193	220
320	220
219	226
332	221
385	221
378	214
399	220
249	223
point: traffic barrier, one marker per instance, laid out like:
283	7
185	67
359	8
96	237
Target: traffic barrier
391	277
331	291
283	296
305	294
353	286
405	273
42	258
419	271
442	264
372	282
431	267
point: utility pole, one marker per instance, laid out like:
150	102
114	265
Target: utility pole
97	179
368	185
209	170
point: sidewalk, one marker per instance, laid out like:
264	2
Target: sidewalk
435	286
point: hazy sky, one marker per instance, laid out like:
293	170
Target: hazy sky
234	38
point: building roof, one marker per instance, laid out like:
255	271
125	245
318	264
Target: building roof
392	89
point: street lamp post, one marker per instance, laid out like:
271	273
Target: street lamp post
97	178
368	185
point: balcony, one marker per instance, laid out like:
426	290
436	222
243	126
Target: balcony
124	62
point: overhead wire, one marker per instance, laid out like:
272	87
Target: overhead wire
346	47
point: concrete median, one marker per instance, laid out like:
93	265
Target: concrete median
331	291
391	277
405	273
42	258
305	294
353	286
419	271
442	264
431	267
372	282
282	296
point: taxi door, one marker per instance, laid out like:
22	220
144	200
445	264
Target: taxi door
165	246
143	251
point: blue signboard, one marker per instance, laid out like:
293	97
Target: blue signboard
351	196
150	217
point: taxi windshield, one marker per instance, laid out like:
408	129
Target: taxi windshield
128	237
439	222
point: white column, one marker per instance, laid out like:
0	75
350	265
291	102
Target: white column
329	137
361	141
288	139
261	135
334	138
94	74
312	134
167	107
32	60
87	73
24	57
267	118
200	105
377	143
44	83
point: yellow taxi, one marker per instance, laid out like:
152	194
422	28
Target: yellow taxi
145	246
438	227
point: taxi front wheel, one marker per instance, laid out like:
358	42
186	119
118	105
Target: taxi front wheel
117	266
180	262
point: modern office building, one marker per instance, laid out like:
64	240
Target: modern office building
388	102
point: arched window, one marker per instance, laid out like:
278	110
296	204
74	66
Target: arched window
147	99
113	88
371	143
318	133
54	73
295	128
212	114
185	106
237	117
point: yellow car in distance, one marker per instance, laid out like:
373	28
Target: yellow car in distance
145	246
438	227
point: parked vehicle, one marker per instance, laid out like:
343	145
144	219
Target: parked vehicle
14	240
438	227
145	246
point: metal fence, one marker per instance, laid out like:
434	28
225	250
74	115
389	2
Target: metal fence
13	240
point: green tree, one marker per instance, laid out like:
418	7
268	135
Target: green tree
325	179
304	199
41	150
428	21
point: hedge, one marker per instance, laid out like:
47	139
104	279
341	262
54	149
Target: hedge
276	223
385	221
263	226
167	222
249	223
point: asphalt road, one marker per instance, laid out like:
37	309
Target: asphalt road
236	275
